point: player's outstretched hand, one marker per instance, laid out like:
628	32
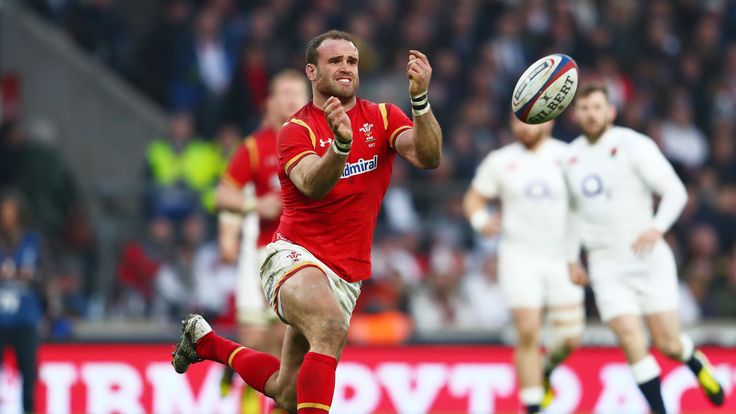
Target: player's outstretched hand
419	73
338	120
646	241
578	275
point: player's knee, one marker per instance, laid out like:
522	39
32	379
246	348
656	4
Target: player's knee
670	347
333	333
528	336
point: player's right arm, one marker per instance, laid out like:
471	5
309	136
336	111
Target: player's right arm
573	244
230	197
482	191
315	176
661	178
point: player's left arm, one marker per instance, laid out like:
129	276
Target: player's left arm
662	179
422	144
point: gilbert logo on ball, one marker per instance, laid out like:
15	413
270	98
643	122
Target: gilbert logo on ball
545	89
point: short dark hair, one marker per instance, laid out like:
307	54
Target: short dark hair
312	45
590	88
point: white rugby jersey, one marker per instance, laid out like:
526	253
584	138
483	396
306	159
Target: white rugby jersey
612	183
531	188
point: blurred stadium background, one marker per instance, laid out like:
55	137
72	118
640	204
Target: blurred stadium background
89	87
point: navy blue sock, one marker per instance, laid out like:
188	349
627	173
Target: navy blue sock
652	391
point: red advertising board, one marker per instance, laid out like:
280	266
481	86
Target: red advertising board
125	378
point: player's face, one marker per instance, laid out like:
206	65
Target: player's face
336	72
594	114
289	94
529	135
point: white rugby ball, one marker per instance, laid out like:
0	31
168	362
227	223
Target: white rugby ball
545	89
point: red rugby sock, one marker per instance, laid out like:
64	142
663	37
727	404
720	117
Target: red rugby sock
255	368
315	384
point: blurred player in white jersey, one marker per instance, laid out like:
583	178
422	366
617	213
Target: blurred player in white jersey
614	173
527	178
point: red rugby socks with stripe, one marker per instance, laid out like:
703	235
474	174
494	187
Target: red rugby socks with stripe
315	384
255	368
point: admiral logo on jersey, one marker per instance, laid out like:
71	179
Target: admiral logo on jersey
359	167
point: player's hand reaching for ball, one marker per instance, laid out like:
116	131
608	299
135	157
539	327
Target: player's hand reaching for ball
419	73
578	275
338	120
646	241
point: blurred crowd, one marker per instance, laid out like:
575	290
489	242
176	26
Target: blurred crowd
670	66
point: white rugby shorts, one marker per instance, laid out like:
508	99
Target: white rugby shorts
250	301
530	279
625	283
284	259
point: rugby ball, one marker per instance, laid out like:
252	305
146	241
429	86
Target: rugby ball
545	89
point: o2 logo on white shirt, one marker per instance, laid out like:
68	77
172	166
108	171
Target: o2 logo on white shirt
537	190
592	185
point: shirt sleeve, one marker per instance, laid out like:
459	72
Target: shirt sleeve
239	169
295	141
486	180
661	178
394	122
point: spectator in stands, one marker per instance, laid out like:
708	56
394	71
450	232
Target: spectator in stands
484	295
41	175
101	29
682	142
175	279
160	53
139	264
21	287
56	11
439	305
204	78
181	171
723	290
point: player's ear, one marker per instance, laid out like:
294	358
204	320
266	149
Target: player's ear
612	112
311	71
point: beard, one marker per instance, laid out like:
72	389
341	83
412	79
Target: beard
595	131
532	141
329	87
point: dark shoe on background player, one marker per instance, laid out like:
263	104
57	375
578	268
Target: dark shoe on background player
193	328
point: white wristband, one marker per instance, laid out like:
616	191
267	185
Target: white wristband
249	204
338	150
228	217
479	219
421	111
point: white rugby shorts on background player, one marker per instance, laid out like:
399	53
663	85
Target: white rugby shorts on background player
250	301
626	284
529	279
283	259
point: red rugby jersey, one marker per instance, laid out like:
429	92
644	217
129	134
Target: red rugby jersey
338	229
256	161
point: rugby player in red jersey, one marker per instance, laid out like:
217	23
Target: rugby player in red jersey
335	157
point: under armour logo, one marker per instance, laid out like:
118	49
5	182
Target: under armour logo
325	142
